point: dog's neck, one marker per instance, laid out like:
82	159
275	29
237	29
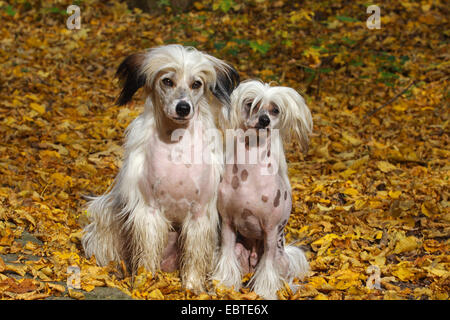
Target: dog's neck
165	126
269	149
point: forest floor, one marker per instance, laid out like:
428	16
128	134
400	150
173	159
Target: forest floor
370	196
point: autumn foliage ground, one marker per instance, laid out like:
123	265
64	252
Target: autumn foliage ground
371	191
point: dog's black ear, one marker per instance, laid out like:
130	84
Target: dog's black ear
227	79
130	77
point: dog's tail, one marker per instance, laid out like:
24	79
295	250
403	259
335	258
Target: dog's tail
298	265
100	237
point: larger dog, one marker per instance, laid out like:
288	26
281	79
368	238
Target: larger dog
160	213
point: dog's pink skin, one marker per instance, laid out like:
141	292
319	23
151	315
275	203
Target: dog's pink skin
251	208
170	261
179	188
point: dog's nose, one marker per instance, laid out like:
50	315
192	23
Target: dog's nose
264	121
183	108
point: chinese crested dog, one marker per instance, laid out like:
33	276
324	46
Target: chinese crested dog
255	199
161	213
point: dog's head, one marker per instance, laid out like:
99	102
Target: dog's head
177	78
257	105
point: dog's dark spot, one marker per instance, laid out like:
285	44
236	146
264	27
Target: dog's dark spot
244	175
188	165
221	178
246	213
285	195
235	182
197	191
280	243
181	183
162	192
269	165
235	169
264	198
276	201
268	153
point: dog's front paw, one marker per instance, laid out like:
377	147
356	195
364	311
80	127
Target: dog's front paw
194	285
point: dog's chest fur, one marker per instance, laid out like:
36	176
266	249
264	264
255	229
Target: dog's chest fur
176	188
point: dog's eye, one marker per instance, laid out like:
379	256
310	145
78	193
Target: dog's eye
167	82
248	105
275	111
196	84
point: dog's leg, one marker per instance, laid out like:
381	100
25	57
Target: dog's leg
198	241
149	232
228	269
170	260
267	279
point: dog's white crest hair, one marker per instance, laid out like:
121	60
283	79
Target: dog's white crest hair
296	119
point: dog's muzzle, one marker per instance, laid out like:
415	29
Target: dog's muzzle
263	121
183	109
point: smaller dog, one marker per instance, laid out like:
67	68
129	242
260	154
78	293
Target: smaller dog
255	199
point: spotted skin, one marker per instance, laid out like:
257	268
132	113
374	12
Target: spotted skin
257	208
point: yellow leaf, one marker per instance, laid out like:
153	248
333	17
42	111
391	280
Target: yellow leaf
351	192
352	140
198	5
266	72
358	163
395	194
438	272
37	107
49	154
76	294
318	188
359	204
425	209
403	272
88	287
323	208
19	269
345	279
326	238
406	244
156	295
321	296
379	235
61	180
2	265
56	287
385	166
203	296
347	173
